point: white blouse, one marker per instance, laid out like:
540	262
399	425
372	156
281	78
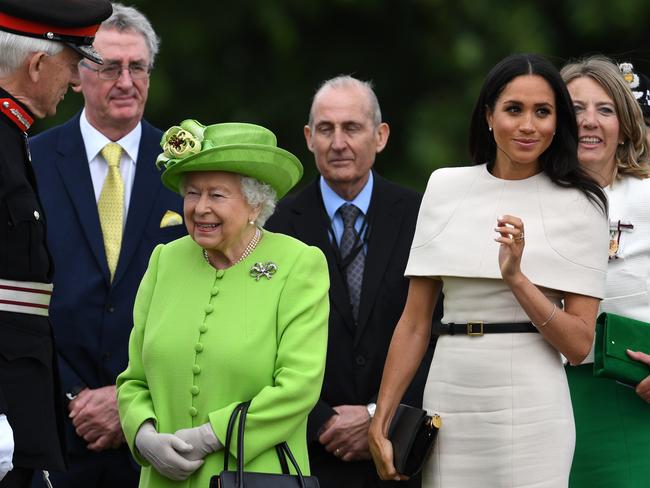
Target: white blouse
628	271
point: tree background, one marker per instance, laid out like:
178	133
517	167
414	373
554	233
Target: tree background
260	61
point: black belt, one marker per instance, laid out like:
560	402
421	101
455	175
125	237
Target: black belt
479	328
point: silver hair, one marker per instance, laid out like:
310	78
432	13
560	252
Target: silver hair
15	48
258	194
131	19
347	81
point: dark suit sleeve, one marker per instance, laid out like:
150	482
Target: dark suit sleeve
69	377
320	414
3	403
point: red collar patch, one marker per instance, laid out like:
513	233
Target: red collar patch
16	114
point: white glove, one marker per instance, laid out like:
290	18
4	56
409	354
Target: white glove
6	446
164	452
201	438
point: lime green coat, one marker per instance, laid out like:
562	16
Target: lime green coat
205	340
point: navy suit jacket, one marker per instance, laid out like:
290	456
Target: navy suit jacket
92	317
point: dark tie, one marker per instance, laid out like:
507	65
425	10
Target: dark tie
351	244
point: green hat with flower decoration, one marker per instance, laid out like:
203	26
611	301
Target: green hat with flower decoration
246	149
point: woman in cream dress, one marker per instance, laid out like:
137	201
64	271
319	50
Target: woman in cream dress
513	305
613	433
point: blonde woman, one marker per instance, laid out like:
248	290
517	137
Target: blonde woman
613	420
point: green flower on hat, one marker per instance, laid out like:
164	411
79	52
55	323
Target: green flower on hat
235	147
179	142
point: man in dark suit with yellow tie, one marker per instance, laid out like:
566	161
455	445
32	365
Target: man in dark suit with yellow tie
41	42
106	211
364	224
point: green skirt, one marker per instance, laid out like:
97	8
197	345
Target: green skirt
612	433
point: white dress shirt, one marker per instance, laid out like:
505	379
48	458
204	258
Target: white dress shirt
94	141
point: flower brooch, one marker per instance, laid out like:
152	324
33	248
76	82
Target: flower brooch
179	142
267	269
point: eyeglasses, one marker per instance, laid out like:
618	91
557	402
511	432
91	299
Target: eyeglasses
137	71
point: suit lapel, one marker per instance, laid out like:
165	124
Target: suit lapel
146	187
385	214
72	164
311	227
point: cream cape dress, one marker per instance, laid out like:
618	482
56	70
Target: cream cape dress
503	398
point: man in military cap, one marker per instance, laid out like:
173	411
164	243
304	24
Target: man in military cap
41	43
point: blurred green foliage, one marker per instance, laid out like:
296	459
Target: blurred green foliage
261	60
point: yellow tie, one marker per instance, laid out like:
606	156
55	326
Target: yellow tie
111	205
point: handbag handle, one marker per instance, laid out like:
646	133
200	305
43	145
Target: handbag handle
282	449
231	426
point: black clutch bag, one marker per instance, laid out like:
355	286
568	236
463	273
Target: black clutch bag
413	433
242	479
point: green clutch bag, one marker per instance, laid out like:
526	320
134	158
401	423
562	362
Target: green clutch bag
615	334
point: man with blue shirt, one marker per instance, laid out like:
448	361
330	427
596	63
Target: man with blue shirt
364	224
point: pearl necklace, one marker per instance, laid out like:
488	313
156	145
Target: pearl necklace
249	248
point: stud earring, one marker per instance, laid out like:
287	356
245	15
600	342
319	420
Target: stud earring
252	222
490	129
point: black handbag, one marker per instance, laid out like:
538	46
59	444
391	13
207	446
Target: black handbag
242	479
412	433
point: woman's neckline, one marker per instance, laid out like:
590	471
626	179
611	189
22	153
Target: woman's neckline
522	180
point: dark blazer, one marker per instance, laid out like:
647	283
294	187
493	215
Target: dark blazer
356	355
92	317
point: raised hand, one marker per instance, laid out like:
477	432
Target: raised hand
512	239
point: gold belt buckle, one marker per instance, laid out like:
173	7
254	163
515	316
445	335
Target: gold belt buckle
471	331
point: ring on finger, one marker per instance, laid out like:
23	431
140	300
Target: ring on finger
520	237
337	451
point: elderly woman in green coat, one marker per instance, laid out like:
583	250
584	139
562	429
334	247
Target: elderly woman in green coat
227	314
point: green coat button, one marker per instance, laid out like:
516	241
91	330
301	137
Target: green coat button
209	308
193	411
196	369
214	291
220	273
198	347
203	328
195	390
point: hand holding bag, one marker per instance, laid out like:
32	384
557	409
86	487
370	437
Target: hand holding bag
242	479
614	335
412	432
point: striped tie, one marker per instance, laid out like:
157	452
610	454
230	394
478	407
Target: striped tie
111	205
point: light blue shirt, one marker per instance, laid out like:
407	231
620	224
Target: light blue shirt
333	202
